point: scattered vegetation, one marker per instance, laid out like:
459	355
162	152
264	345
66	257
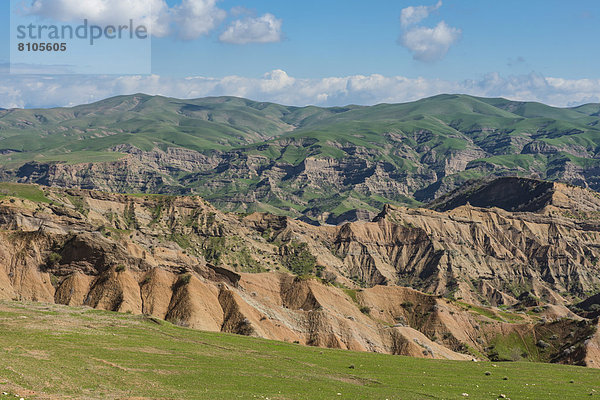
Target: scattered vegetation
297	258
129	216
408	305
213	249
79	203
182	240
352	294
162	203
247	263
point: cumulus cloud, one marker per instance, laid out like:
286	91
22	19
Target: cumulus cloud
277	86
195	18
265	29
152	13
413	15
187	20
430	44
426	44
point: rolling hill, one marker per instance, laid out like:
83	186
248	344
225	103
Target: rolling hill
78	353
321	163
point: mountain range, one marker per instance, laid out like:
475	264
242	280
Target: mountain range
414	229
325	165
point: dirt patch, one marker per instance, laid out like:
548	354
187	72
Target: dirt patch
38	354
353	380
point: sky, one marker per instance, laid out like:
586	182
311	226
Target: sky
326	53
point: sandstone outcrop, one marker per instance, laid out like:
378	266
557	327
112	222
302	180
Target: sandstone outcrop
478	275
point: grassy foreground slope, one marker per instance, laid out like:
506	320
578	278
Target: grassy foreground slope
49	351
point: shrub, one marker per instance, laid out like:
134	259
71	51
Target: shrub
365	310
184	279
54	258
120	268
298	259
543	345
54	280
407	305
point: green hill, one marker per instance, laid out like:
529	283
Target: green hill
298	160
51	351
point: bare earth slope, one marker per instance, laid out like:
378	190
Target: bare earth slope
179	259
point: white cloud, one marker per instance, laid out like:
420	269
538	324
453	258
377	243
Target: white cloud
187	20
265	29
195	18
413	15
152	13
426	44
240	10
430	44
277	86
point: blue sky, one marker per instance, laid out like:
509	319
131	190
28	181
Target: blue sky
337	38
334	52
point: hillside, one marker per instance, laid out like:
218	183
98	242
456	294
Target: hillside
61	348
462	284
523	195
321	163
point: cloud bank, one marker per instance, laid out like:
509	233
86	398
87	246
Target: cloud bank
29	91
426	44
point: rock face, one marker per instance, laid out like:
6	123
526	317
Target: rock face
484	254
524	195
180	259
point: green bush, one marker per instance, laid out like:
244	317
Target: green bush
184	279
298	259
54	258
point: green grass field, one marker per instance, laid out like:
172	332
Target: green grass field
49	351
27	192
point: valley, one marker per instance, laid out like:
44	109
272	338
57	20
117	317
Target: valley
451	230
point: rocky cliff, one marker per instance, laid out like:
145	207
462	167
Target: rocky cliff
484	283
